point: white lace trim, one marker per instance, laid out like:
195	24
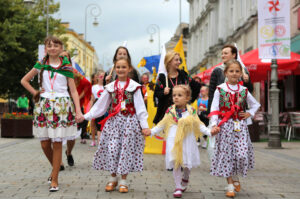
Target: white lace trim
58	139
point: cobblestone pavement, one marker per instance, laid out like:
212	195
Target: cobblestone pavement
24	171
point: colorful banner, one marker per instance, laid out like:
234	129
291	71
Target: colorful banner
274	29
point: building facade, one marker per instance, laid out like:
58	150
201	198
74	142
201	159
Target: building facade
85	55
214	23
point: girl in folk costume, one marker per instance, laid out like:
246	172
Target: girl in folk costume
97	89
121	145
181	125
54	112
233	153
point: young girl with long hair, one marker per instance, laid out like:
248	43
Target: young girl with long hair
54	112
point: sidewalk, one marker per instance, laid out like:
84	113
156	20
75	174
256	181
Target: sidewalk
24	173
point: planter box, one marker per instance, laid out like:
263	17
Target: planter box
19	128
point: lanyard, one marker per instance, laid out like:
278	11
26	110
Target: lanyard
52	82
172	81
119	90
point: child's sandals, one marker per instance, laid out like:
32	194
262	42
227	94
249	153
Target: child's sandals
230	191
112	184
123	188
177	193
237	186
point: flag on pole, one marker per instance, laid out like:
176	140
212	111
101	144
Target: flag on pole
239	58
161	66
179	49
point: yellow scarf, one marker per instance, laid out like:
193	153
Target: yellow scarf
185	126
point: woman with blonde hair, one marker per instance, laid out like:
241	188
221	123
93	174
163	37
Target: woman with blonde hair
176	76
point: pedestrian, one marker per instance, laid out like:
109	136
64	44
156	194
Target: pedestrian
145	82
202	104
97	89
175	76
217	76
181	126
71	141
54	112
121	146
23	104
233	154
84	89
122	51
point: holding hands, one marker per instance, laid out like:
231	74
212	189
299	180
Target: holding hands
79	117
215	130
146	132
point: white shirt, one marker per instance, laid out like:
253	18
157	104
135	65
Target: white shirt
101	106
251	101
59	81
95	90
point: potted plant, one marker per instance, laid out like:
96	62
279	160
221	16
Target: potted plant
16	125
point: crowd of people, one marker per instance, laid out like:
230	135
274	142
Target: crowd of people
118	116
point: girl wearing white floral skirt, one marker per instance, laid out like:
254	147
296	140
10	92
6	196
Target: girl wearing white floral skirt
54	112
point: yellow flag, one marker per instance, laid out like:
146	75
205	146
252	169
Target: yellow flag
179	48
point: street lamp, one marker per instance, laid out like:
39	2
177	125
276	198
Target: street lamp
152	29
179	10
95	11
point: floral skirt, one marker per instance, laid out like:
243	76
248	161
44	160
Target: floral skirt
54	119
233	153
121	146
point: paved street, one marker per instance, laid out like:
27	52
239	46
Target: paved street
24	171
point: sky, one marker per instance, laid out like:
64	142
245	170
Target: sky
124	20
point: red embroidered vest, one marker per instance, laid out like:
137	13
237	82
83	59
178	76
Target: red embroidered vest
227	99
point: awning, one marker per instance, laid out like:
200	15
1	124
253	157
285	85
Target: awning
259	68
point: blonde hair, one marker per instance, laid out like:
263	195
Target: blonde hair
168	58
186	89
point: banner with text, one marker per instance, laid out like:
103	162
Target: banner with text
274	29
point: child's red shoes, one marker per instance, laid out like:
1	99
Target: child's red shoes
177	193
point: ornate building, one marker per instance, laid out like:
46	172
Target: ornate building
86	55
214	23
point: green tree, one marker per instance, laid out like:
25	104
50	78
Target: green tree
22	29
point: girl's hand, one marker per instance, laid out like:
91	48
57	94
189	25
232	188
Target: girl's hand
79	117
166	91
42	90
244	115
146	132
108	78
215	130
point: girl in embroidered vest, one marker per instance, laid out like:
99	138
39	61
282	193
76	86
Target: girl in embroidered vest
181	124
234	152
54	112
97	89
121	144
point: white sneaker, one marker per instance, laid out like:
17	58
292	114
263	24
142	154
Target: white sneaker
204	145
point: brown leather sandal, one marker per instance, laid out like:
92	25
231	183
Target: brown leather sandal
110	186
237	186
123	189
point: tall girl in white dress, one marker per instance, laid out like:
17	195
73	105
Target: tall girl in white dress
54	113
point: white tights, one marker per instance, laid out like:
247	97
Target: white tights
177	174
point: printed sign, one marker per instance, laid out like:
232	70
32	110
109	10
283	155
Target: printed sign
274	29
